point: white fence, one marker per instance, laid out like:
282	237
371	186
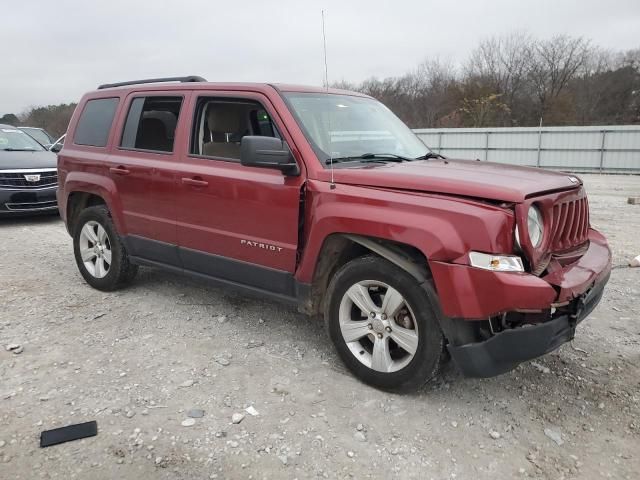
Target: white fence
608	149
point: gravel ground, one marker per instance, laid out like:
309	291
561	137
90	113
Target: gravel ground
141	360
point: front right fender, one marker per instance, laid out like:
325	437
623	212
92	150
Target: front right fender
442	228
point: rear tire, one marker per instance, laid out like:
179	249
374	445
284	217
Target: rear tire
383	325
99	252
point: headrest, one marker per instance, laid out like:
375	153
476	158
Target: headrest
153	126
225	118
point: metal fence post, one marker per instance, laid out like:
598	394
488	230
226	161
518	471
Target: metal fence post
604	135
439	141
486	145
539	145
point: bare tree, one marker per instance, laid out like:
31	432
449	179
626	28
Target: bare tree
435	92
499	65
552	65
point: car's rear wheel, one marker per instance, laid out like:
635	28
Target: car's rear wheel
383	326
100	254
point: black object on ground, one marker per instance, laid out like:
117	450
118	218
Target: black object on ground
68	433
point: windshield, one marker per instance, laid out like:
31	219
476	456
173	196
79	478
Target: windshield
38	134
12	139
342	126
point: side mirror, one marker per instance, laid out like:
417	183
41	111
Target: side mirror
55	148
267	152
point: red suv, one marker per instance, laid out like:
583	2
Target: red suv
326	200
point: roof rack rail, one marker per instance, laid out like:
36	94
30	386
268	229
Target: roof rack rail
191	78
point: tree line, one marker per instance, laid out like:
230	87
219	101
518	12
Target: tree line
512	80
53	118
517	80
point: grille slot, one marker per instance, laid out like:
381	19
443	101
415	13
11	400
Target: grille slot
569	225
25	207
18	180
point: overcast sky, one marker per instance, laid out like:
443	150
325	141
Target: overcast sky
54	51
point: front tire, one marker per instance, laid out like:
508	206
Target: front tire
383	325
100	254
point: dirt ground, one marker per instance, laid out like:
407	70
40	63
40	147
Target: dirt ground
137	361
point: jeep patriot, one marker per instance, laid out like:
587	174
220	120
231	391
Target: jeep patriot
325	199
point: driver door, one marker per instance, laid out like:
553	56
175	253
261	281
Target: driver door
236	223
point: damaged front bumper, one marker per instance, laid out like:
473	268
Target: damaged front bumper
507	349
549	309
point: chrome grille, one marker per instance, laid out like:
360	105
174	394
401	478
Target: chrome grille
18	179
570	224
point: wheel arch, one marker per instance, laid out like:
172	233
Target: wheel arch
76	203
84	189
340	248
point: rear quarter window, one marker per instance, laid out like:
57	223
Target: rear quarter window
95	122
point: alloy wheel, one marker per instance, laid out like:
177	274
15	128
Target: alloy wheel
378	326
95	249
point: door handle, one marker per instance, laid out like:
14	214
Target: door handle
119	170
195	182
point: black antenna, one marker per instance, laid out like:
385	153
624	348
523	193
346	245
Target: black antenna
326	87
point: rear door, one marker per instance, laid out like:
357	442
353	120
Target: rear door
236	223
141	167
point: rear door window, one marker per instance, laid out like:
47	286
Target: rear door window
151	124
95	122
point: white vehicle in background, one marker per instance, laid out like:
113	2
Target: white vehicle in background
40	135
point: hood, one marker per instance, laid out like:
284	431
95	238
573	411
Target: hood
19	160
468	178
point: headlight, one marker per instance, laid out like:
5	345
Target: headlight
535	226
496	263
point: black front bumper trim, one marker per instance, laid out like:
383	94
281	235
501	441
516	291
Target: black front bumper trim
506	350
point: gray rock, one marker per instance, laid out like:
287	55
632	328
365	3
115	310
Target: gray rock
187	383
359	436
540	368
15	348
222	361
495	435
130	414
237	418
251	411
359	427
350	454
554	435
188	422
283	459
195	413
222	319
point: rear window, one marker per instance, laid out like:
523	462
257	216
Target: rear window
151	124
95	122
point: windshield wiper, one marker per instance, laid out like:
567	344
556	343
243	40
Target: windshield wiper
429	155
370	157
19	149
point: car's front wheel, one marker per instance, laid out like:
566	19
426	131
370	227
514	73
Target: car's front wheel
100	254
383	325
